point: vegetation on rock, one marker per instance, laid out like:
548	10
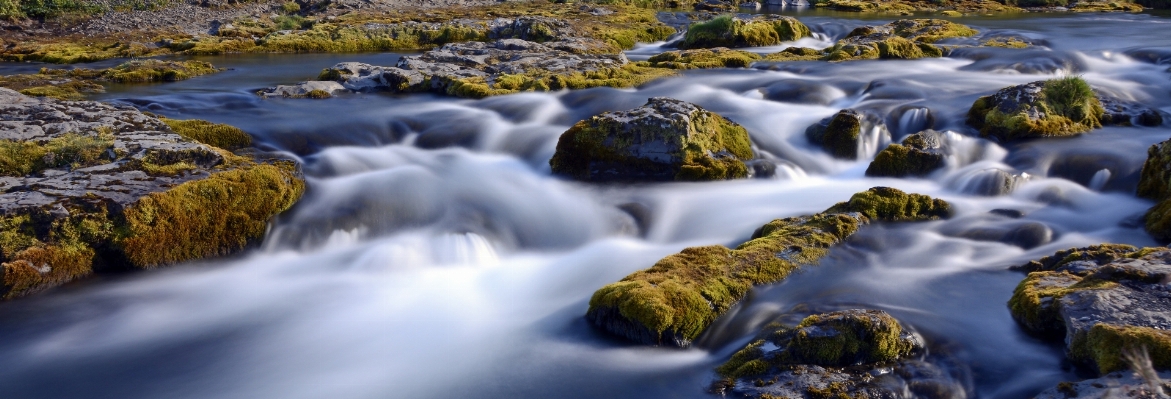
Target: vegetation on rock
1053	108
220	135
839	135
74	84
665	139
918	155
729	31
1155	184
675	300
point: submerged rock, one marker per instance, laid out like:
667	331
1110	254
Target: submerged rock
675	300
1053	108
850	353
1110	386
729	31
1103	299
842	134
1155	184
1128	113
478	69
918	155
89	187
666	139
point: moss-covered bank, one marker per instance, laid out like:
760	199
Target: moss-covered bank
675	300
1155	184
74	84
729	31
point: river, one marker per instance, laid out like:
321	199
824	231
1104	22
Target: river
434	255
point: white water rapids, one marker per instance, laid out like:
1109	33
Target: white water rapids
435	256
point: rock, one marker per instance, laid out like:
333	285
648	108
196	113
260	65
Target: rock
1113	385
850	353
988	182
843	134
1053	108
314	88
715	5
666	139
729	31
675	300
718	57
902	39
1155	184
1103	299
478	69
919	155
1128	113
90	187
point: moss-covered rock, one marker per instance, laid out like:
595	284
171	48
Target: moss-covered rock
675	300
729	31
1155	184
719	57
116	189
220	135
1053	108
1103	300
918	155
838	134
666	139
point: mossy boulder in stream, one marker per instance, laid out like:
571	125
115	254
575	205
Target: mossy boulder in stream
1103	300
675	300
666	139
1155	184
87	187
902	39
832	355
729	31
918	155
1053	108
74	84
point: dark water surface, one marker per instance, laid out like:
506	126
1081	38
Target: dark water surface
434	256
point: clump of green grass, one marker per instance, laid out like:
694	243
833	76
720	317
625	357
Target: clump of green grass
22	158
219	135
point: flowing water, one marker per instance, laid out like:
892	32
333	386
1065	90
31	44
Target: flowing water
435	256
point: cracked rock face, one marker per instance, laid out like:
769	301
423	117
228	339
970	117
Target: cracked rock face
118	178
1102	299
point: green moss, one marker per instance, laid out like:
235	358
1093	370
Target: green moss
290	7
46	85
22	158
1100	254
1158	221
746	362
703	59
930	30
1103	346
1106	6
214	134
868	6
952	13
1155	180
1005	42
73	50
894	205
840	136
728	31
1033	302
1067	107
629	75
696	148
862	338
911	158
209	217
38	251
683	293
141	71
10	10
318	94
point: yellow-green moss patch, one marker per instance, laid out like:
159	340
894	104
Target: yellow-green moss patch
704	58
1062	107
214	134
1104	345
729	31
21	158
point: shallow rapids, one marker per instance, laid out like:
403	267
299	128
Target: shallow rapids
434	255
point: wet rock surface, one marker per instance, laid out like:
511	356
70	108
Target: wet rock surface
1113	385
663	140
918	155
1103	300
1054	108
843	133
849	353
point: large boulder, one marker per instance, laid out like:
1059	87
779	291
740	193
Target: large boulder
675	300
1104	300
479	69
729	31
918	155
849	353
1155	184
666	139
1053	108
89	187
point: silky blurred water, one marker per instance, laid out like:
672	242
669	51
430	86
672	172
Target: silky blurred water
434	255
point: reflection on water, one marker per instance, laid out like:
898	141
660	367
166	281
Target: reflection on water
434	255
